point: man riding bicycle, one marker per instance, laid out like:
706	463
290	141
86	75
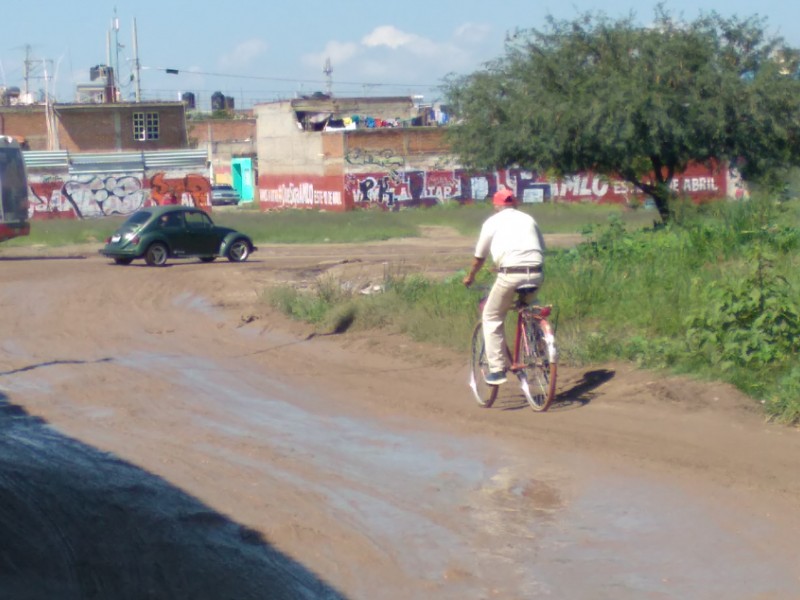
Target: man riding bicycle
517	248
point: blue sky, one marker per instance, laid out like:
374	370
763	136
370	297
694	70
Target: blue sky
261	50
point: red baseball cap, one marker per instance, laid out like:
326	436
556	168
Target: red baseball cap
503	197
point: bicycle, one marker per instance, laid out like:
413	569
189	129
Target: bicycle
534	360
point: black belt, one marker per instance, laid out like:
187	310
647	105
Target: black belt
526	270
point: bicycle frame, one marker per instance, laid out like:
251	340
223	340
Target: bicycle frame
534	359
524	315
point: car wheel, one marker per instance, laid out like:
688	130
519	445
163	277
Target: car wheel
207	258
156	255
123	261
238	251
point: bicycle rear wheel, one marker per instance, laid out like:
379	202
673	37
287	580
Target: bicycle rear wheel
484	393
538	377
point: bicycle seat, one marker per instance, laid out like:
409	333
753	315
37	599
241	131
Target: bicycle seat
527	293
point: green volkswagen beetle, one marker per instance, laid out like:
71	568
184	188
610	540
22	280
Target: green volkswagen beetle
161	232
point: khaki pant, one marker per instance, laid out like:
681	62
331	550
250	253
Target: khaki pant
501	299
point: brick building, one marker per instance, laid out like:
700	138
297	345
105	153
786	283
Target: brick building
98	159
92	127
231	147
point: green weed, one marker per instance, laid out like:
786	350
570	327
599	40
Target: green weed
714	296
714	293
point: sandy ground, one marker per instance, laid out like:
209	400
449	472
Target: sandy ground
164	435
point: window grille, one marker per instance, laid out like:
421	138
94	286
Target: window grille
145	126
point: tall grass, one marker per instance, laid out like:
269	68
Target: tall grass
65	232
716	294
299	226
295	226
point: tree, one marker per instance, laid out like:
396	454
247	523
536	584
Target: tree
638	103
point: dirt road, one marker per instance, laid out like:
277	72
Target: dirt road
162	435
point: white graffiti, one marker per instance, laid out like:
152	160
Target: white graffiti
479	187
695	184
303	194
580	185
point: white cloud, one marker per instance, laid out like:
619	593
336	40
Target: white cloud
243	54
472	32
338	52
389	36
387	54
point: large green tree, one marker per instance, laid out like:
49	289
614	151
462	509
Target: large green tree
631	101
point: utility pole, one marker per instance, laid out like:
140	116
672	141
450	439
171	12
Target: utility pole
136	66
115	27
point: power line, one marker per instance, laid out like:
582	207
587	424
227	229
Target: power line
173	71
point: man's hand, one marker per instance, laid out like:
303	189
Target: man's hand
477	263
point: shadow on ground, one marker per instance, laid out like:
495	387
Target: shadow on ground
582	392
576	395
31	257
77	523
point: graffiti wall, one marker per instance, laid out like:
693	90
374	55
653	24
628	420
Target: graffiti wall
93	196
395	188
302	191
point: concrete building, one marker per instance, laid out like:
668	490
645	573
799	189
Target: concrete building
318	152
344	153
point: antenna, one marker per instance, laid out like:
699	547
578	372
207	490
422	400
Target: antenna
27	66
30	65
328	70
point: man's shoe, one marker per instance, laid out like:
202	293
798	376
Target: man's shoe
496	378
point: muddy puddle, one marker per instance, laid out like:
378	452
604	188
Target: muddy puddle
473	517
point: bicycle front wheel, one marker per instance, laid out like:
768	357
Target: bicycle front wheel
538	377
484	393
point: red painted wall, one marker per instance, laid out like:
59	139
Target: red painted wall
94	196
429	187
302	191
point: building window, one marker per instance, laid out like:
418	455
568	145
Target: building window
145	126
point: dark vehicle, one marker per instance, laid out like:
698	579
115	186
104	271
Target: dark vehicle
222	195
161	232
13	190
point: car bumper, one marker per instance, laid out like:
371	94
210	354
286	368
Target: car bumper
118	252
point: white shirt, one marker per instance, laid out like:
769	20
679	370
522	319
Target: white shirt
513	238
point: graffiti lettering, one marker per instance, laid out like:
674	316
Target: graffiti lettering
413	188
191	190
85	197
381	158
403	187
303	194
699	184
582	185
101	196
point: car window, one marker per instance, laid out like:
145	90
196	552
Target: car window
198	220
139	217
171	220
